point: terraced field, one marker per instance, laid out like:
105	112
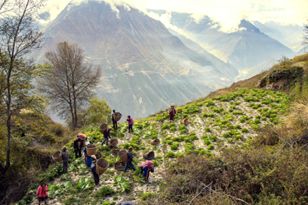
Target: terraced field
211	125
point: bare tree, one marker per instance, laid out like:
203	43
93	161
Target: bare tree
18	36
3	3
69	83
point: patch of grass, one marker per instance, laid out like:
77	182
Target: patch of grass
170	154
105	191
146	195
174	146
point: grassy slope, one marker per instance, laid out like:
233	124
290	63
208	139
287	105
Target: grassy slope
227	118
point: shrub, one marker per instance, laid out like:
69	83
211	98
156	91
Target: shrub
174	146
170	154
104	191
147	195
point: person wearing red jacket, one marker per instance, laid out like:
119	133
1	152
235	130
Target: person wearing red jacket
147	167
130	123
42	193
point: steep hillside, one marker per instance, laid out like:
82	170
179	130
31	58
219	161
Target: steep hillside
35	138
234	135
214	125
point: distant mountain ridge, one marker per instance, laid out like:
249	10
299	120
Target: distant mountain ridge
248	49
145	68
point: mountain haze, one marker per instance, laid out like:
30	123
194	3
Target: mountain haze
145	68
248	49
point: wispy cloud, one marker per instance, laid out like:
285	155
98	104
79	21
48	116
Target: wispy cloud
227	12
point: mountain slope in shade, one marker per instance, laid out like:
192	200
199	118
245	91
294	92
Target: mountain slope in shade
145	68
248	49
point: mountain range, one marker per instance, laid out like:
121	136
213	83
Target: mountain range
147	65
248	48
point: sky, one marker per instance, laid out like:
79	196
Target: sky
227	13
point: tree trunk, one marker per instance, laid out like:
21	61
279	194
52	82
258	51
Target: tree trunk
75	108
9	119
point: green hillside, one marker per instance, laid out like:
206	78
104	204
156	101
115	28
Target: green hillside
214	124
221	129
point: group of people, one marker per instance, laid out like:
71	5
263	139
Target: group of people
80	149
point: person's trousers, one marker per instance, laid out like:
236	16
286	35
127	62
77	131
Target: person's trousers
95	175
115	125
65	166
130	128
129	165
106	140
77	153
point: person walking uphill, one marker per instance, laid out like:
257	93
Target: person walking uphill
130	123
42	193
106	134
129	163
77	147
93	170
172	113
64	156
114	120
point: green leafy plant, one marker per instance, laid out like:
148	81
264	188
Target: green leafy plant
123	184
105	191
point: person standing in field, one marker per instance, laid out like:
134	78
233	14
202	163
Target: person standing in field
172	113
64	156
114	120
130	123
42	193
129	163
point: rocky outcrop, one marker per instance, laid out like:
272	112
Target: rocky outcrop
282	79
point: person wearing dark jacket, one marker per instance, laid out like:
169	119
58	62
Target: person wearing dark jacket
172	113
130	123
114	121
106	136
78	147
129	163
64	156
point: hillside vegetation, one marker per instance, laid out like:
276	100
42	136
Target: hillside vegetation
35	138
246	144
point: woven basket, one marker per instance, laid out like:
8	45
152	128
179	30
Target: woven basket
101	166
149	156
118	116
113	143
91	149
120	166
123	155
155	142
103	127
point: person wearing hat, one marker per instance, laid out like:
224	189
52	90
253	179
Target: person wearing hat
93	170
